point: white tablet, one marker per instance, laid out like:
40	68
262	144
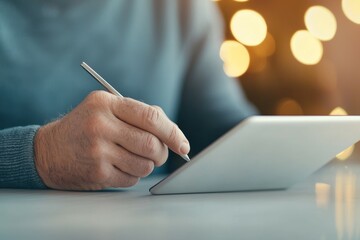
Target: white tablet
264	152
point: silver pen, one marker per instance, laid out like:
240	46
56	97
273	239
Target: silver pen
111	89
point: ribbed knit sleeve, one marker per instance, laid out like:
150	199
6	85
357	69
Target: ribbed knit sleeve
17	166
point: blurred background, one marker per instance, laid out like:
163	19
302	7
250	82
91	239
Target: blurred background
301	58
295	57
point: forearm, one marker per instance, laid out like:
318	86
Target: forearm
17	166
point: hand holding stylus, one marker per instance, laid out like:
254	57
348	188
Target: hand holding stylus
106	141
112	90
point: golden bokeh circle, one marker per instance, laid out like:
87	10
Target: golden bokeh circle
351	10
321	22
236	58
248	27
306	48
289	106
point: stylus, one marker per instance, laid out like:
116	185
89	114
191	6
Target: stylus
110	88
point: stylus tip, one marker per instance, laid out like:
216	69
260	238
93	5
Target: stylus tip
186	157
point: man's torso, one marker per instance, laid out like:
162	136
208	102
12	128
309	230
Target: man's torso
42	44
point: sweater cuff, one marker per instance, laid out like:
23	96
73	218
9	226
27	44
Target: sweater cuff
17	165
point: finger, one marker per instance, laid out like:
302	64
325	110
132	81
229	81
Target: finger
151	119
130	163
139	142
119	178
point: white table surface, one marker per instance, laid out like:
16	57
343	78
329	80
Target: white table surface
324	206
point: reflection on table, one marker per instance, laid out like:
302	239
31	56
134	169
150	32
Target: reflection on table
324	206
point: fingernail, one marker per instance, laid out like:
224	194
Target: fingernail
185	148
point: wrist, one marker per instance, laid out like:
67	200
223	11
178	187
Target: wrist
40	154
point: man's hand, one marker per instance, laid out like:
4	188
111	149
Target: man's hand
106	141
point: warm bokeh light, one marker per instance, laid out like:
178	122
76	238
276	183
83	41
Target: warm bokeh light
306	48
236	58
346	153
267	47
351	10
338	111
346	210
289	106
248	27
322	191
305	61
321	22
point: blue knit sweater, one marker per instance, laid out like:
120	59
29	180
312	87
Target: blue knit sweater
163	52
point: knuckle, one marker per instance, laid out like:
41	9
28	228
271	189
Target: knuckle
150	145
97	100
146	168
158	108
100	174
95	125
151	116
96	150
97	96
173	133
163	158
